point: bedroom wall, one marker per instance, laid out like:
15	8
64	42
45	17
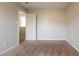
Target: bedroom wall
73	24
9	25
51	23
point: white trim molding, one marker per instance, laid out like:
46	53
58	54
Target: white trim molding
51	39
46	39
73	46
8	49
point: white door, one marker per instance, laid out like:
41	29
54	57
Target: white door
31	26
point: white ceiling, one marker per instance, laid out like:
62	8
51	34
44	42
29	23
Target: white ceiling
45	4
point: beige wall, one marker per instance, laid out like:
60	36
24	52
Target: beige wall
50	23
73	25
9	25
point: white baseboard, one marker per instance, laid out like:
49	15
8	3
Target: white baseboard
8	49
51	39
46	39
30	39
73	46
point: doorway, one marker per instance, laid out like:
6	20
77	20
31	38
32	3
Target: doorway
27	26
22	26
